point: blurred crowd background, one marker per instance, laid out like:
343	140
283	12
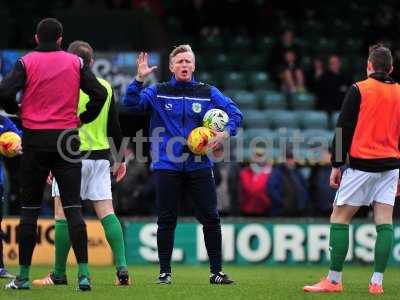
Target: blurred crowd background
288	65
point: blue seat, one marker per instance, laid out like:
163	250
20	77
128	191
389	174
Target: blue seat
316	137
205	77
211	43
222	62
335	117
239	43
259	80
325	45
282	119
234	80
313	119
317	141
303	101
255	119
231	93
271	100
264	44
259	137
288	133
253	62
244	99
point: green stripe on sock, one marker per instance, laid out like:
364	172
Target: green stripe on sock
113	231
62	245
383	246
338	245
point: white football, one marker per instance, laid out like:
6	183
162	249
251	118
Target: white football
215	119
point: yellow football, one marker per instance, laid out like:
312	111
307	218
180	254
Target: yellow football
9	143
198	140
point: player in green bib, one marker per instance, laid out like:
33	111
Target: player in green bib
96	182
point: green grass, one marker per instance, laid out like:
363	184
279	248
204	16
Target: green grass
253	282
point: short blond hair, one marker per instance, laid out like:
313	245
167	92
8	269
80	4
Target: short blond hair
180	49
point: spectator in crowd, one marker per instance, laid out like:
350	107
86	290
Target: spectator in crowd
253	183
292	75
221	173
314	73
332	86
135	195
287	189
275	58
228	188
322	195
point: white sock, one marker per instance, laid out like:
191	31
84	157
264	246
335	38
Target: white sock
377	278
335	276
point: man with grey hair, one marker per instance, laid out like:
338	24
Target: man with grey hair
176	108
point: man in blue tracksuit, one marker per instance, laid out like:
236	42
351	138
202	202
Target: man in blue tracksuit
6	125
177	107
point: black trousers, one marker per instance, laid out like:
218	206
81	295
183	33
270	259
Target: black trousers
1	232
35	167
171	188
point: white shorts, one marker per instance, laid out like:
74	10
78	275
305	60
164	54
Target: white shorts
95	182
359	188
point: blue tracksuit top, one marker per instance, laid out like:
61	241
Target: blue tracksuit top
177	108
6	125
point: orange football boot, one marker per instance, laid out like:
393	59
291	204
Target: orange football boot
375	289
324	286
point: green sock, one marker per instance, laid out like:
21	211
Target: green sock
83	270
113	231
62	246
383	246
24	272
338	245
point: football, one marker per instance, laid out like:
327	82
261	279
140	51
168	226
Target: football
9	143
198	140
215	119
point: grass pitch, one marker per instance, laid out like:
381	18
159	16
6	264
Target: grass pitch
253	282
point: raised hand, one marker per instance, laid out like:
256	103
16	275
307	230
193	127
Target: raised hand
143	69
